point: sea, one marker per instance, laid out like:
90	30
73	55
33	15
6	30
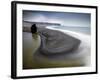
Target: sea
84	30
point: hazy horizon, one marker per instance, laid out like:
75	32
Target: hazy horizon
63	18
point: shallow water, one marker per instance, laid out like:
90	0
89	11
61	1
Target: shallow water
41	62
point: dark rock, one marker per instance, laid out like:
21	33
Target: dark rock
55	42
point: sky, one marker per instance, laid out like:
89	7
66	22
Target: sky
63	18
